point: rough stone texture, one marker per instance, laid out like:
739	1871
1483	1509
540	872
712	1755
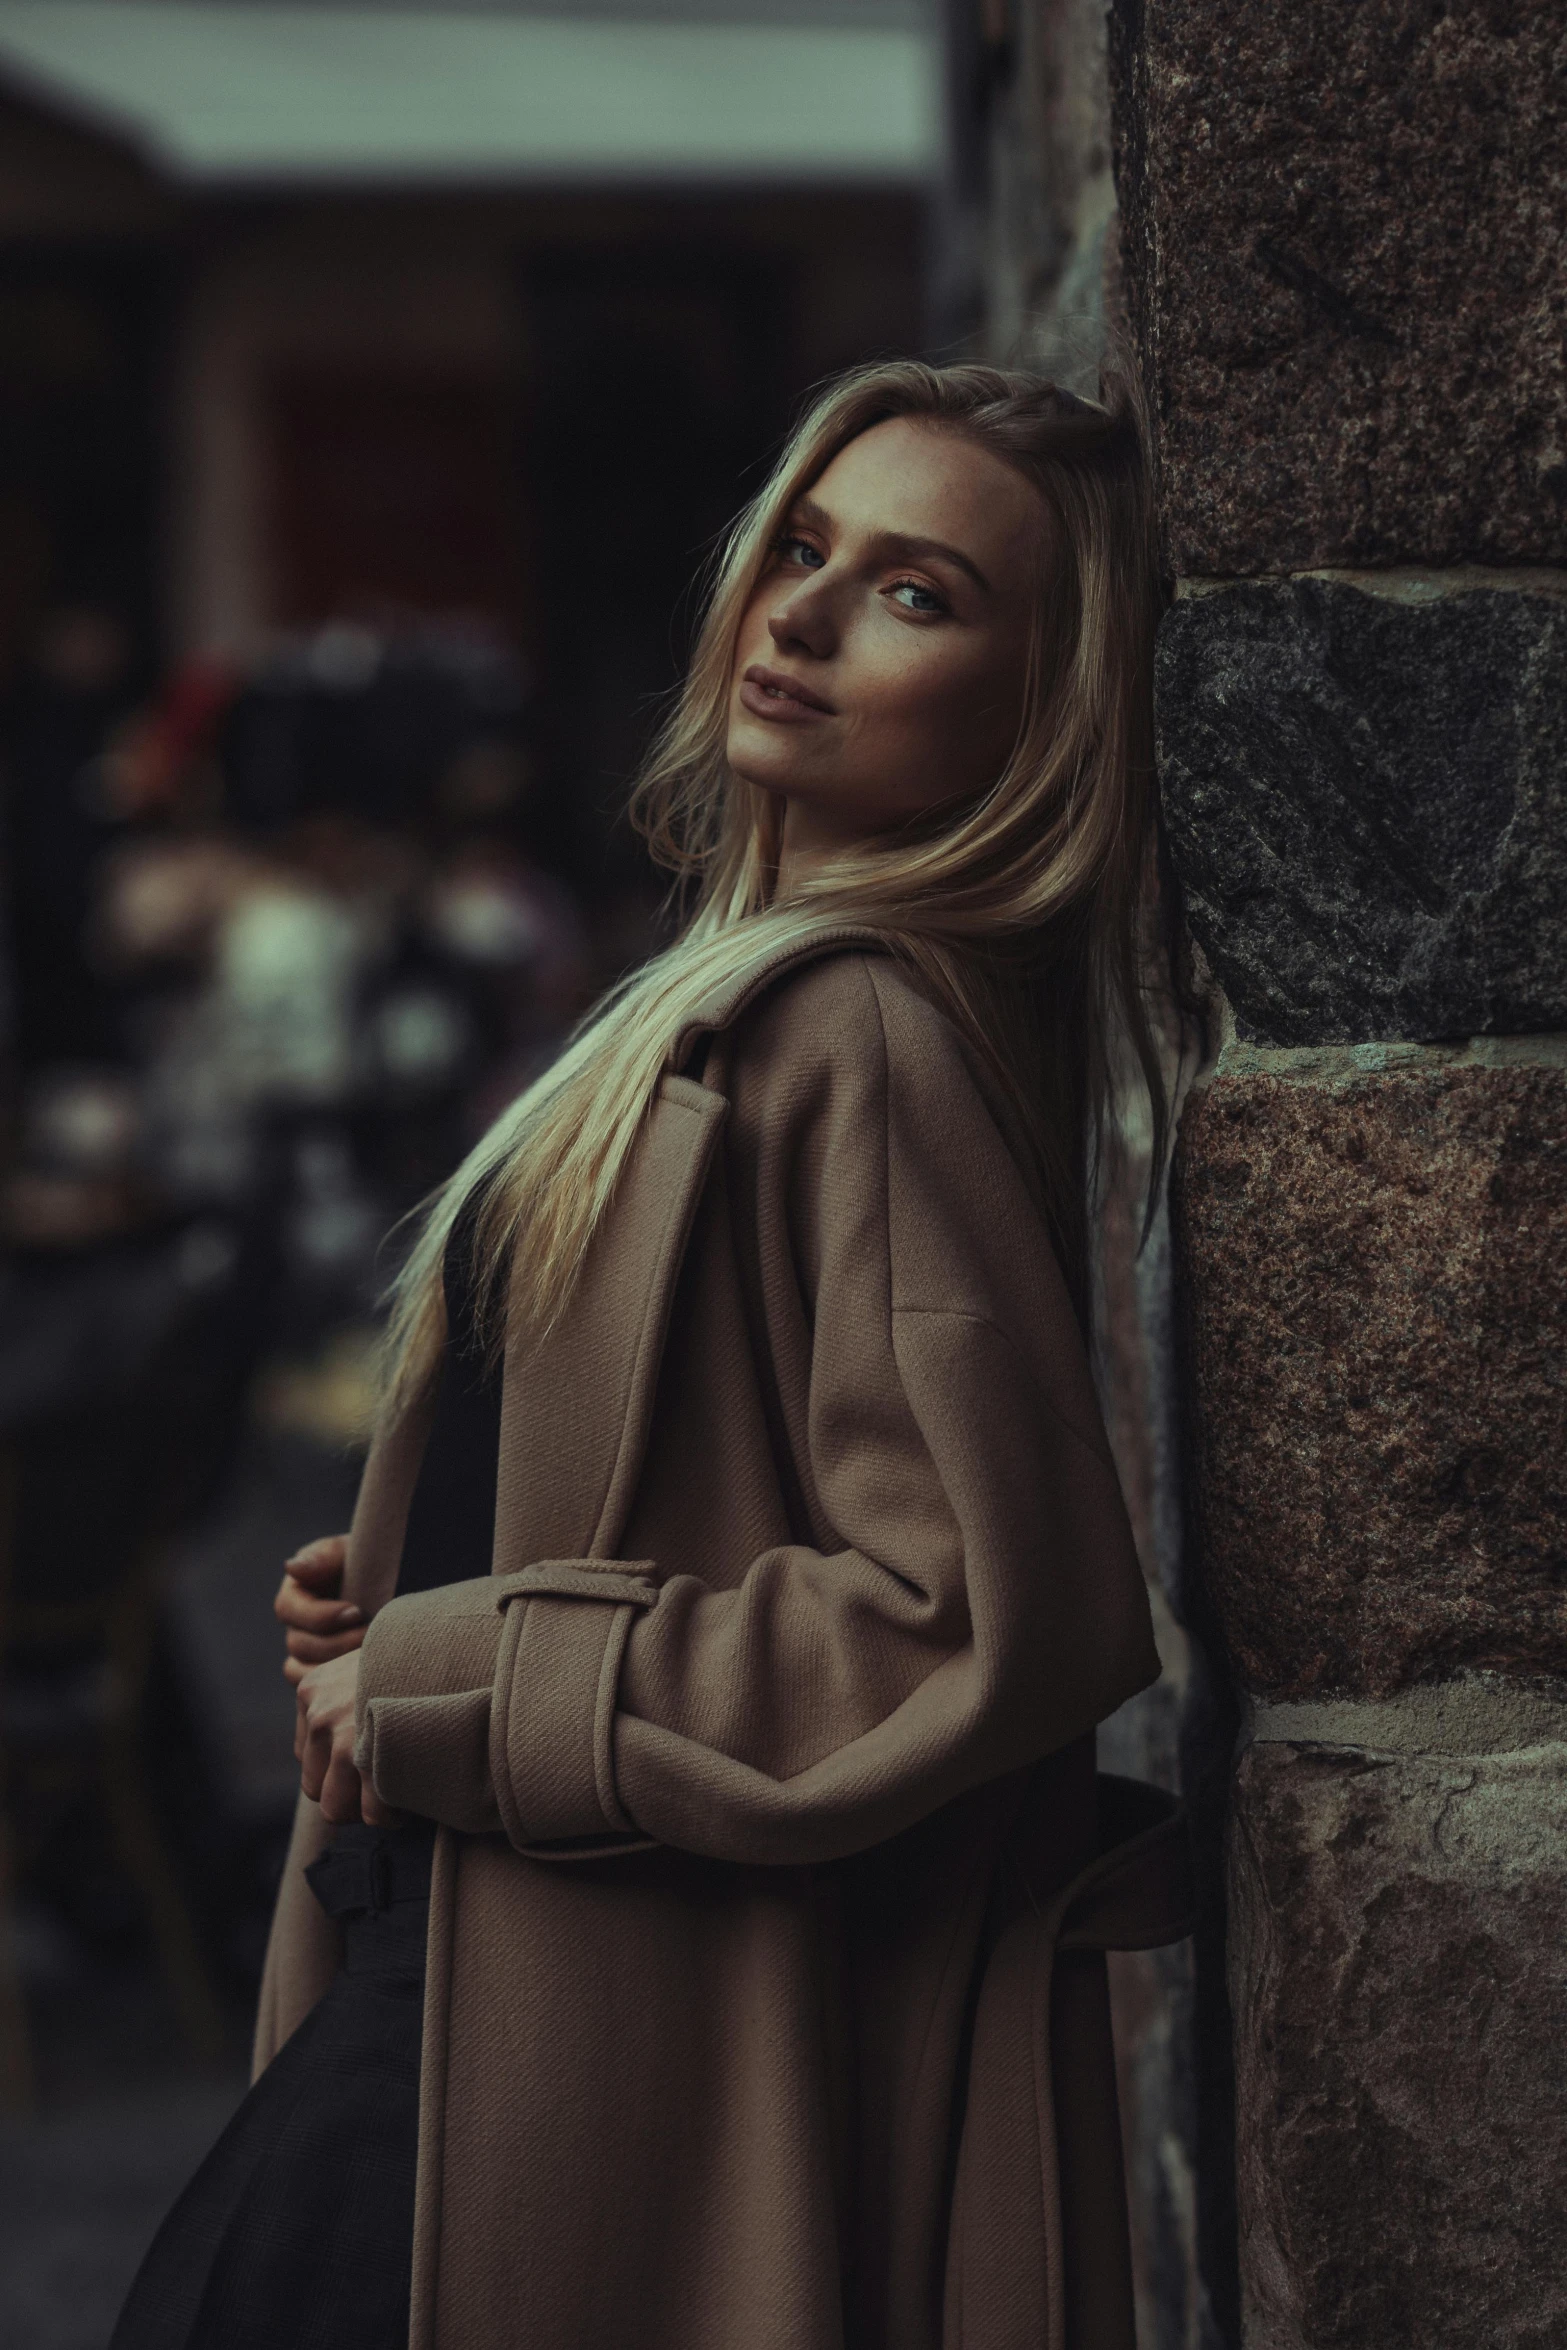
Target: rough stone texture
1396	1936
1051	217
1375	1279
1343	240
1478	1713
1367	805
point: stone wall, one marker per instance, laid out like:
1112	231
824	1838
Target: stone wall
1342	260
1035	149
1048	244
1037	145
1339	262
1398	1915
1343	232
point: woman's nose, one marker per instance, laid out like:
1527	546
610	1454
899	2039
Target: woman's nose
803	622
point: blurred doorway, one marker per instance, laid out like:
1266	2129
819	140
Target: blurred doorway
659	385
83	339
396	494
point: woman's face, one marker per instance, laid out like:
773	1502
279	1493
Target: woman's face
880	664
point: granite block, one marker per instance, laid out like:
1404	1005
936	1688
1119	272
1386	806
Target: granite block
1367	806
1397	1924
1374	1278
1342	244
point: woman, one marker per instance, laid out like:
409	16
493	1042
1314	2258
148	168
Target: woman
743	1562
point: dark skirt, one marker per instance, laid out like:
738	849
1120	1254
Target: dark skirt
297	2231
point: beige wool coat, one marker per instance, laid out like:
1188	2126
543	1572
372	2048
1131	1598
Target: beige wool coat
765	2004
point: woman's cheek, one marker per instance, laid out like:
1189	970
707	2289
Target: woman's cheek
926	721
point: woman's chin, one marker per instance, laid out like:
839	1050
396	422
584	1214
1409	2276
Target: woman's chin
755	753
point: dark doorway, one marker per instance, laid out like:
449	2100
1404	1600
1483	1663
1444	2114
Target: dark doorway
659	386
396	495
83	333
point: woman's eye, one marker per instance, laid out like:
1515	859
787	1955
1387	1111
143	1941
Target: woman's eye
795	550
917	597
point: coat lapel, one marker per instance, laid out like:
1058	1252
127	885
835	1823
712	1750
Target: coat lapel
375	1540
576	1406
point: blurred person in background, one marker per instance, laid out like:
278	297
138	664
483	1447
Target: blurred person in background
683	1845
281	952
60	812
344	949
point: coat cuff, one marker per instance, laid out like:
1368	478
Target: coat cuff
552	1709
425	1673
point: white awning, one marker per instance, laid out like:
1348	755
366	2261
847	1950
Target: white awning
268	93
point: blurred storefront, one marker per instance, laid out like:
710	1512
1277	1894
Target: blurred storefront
397	315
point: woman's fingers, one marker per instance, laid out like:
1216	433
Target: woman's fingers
321	1623
373	1811
324	1742
340	1791
302	1612
308	1603
315	1648
312	1740
295	1668
324	1731
320	1563
313	1747
317	1629
327	1550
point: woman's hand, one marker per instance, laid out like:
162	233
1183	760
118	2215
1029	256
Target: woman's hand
324	1743
321	1624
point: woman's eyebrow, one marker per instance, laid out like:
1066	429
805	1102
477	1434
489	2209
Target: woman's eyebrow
896	543
912	550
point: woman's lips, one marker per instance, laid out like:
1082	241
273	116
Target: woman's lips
766	693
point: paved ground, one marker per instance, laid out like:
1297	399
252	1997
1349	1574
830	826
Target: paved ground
81	2191
121	2119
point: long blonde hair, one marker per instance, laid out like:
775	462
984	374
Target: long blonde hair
1022	911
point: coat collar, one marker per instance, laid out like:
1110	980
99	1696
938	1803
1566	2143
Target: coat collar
725	1003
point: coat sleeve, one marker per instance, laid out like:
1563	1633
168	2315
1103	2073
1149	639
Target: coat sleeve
976	1602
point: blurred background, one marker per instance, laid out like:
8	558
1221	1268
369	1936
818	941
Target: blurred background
374	380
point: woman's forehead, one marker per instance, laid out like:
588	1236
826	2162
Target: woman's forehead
908	478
